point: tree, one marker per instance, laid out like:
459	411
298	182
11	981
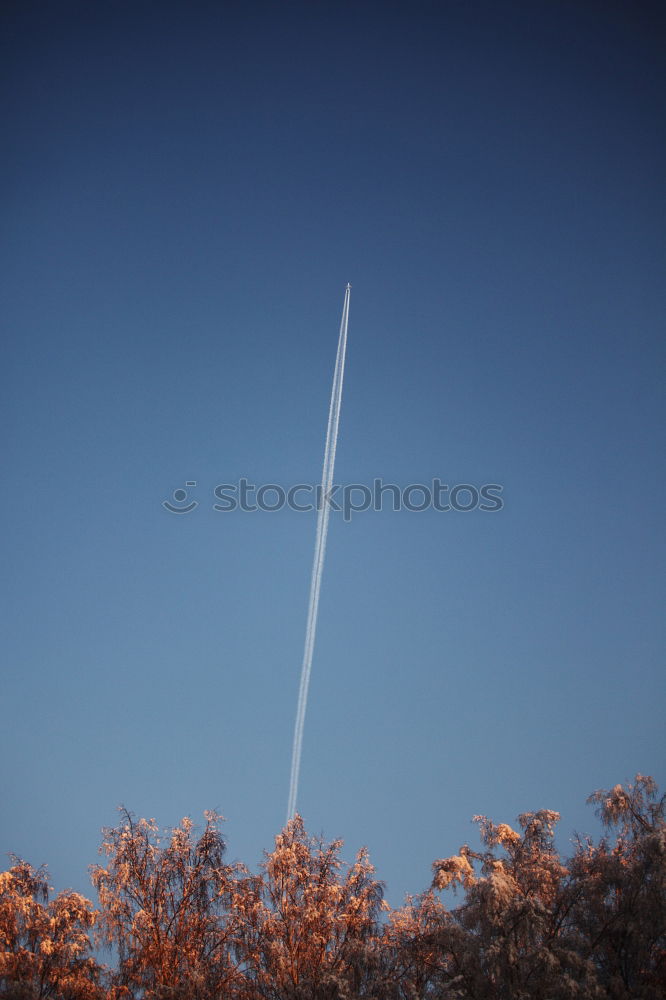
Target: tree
44	945
184	925
309	932
620	892
516	941
415	949
165	906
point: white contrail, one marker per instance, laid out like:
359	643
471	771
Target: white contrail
320	551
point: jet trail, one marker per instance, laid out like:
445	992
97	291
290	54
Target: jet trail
320	552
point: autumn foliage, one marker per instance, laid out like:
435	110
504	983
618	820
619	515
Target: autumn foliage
510	920
44	946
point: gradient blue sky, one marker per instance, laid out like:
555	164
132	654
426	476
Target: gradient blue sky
187	189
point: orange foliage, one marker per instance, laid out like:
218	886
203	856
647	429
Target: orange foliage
165	907
44	945
307	929
183	925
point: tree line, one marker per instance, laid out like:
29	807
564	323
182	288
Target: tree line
519	922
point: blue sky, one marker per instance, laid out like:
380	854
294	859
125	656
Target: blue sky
187	191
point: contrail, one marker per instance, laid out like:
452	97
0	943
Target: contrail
320	552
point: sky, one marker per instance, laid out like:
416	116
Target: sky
188	188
